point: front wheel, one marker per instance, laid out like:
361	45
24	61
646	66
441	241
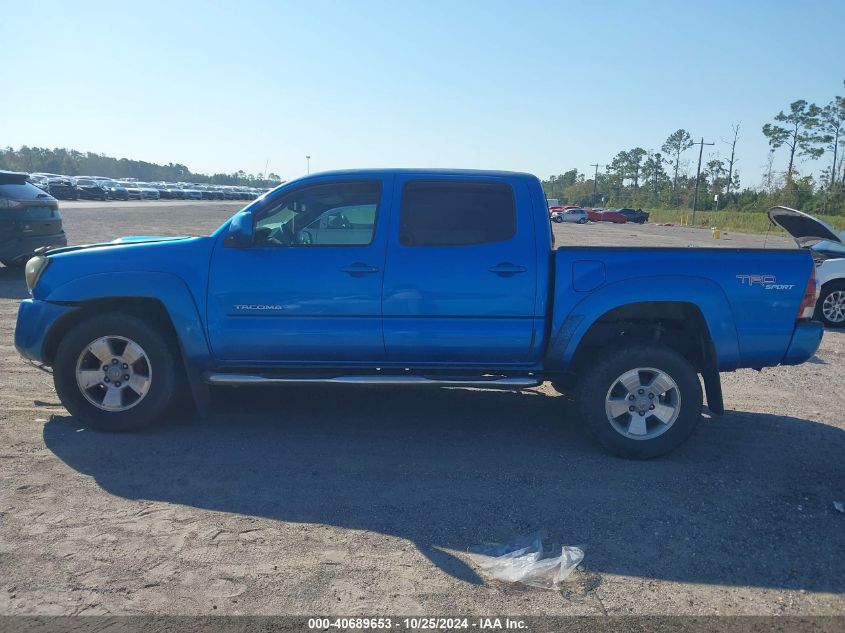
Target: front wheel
640	402
115	372
582	221
830	308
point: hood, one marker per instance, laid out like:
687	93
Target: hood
137	239
804	228
129	239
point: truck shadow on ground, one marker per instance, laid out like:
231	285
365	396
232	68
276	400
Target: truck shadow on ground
449	468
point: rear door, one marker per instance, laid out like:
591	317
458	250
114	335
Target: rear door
461	274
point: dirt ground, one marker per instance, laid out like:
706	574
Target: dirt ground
363	500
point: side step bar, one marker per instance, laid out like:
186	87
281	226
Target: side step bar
494	382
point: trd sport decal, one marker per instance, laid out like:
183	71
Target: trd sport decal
769	282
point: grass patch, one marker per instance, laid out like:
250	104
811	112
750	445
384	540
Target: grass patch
738	221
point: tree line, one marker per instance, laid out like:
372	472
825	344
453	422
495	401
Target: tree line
667	177
68	162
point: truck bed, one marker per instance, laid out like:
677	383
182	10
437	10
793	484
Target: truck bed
749	298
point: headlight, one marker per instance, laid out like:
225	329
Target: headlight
34	268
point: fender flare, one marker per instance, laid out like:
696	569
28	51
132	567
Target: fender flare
176	298
569	330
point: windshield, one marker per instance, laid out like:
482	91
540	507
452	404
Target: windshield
830	247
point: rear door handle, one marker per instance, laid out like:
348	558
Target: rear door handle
359	268
506	269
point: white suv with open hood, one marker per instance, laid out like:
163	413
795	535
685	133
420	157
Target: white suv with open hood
828	249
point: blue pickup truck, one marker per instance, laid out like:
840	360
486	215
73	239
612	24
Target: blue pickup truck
413	277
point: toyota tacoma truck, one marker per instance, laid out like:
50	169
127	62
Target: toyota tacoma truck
413	277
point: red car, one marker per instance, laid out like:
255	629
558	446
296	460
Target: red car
605	215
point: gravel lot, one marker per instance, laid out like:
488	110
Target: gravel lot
362	501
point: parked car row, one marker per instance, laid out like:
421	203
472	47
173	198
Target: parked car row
571	213
100	188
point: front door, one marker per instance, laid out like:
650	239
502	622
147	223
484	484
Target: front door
309	288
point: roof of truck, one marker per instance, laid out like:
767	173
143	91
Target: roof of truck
423	171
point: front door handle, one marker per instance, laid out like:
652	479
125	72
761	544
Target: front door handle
359	269
506	269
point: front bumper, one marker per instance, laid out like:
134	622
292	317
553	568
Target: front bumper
805	342
19	247
35	318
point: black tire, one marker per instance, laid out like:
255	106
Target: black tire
163	377
601	376
582	221
827	290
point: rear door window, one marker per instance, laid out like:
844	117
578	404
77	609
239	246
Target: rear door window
441	213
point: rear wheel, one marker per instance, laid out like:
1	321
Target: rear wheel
830	308
115	372
640	402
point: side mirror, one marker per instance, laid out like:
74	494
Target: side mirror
240	230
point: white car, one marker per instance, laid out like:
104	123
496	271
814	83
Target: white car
828	249
579	216
148	192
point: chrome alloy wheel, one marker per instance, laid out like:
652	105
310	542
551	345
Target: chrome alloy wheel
113	373
643	403
833	306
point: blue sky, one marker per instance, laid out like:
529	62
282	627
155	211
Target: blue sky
534	86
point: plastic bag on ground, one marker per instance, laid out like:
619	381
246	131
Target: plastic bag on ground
525	559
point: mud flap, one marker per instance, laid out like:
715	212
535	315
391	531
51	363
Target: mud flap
713	390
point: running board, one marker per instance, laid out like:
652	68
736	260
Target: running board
495	382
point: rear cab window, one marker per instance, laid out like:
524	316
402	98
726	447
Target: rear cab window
456	213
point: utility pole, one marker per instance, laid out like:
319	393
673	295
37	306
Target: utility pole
701	145
307	165
595	181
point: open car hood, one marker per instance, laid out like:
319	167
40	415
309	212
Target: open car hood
804	228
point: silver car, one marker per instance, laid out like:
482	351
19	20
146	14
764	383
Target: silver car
579	216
